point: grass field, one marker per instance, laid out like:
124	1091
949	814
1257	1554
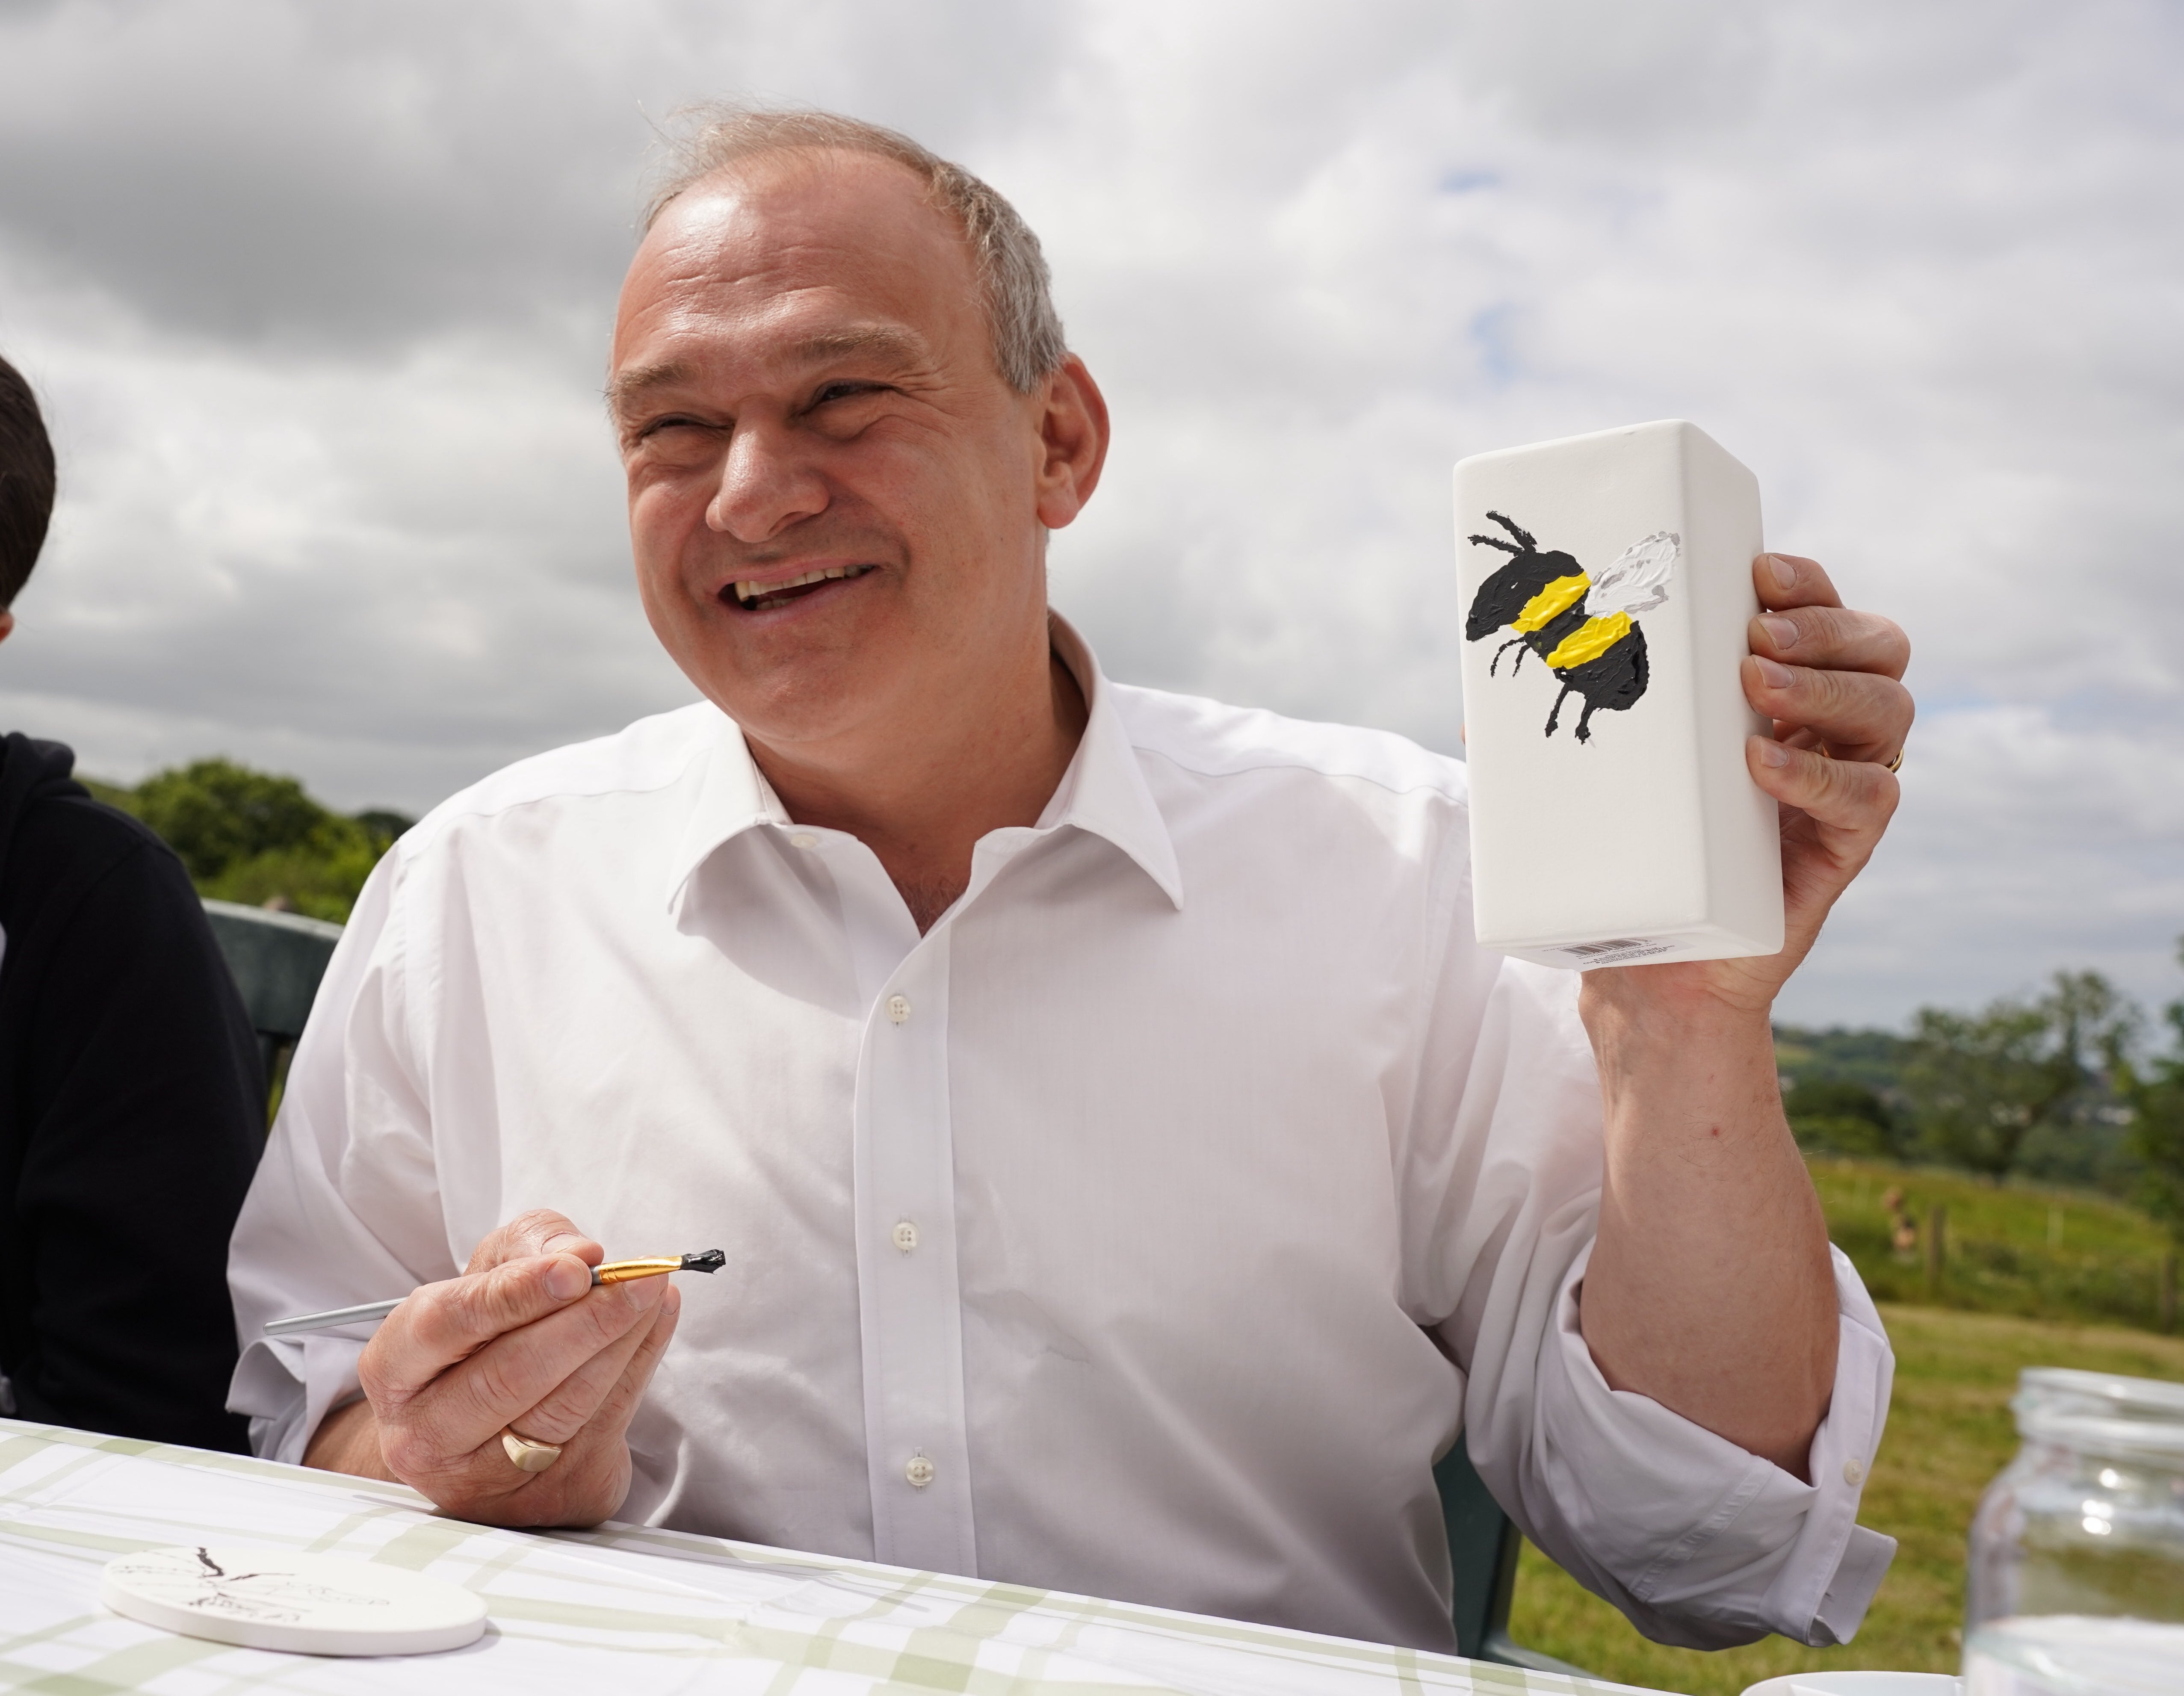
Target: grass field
2011	1249
2032	1278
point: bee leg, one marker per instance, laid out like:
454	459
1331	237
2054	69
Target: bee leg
1585	719
1555	717
1518	645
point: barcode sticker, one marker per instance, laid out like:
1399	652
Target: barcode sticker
1617	952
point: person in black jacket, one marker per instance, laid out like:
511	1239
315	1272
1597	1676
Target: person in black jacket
132	1098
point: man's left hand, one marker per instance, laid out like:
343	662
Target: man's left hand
1830	679
1712	1245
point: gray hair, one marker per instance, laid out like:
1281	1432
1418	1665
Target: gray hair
1012	273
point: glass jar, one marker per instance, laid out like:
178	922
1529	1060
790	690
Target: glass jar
2073	1655
2077	1550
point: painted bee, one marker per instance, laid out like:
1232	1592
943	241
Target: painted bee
1579	625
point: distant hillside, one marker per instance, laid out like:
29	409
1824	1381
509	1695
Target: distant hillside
1838	1054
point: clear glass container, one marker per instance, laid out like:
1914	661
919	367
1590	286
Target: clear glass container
2077	1550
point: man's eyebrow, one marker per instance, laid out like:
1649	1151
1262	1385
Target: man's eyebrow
895	343
891	345
626	385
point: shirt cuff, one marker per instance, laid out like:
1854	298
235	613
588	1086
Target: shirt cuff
288	1386
1709	1545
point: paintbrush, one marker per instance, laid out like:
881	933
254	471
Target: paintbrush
613	1272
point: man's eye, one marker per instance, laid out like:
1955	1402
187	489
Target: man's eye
674	421
843	391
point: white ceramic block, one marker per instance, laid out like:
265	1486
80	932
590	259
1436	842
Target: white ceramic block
1613	817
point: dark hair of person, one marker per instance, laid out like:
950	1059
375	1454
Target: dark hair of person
26	482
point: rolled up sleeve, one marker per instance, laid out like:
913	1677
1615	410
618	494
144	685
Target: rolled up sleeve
1699	1542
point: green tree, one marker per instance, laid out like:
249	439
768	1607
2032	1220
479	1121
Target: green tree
2156	1096
2083	1139
252	837
215	813
1980	1084
1976	1082
2094	1025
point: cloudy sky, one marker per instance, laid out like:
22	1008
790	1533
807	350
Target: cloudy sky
317	297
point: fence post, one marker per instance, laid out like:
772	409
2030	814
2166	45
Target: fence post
2167	1295
1938	1225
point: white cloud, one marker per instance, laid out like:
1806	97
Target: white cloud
319	298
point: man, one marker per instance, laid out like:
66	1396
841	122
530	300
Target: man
131	1107
1129	1168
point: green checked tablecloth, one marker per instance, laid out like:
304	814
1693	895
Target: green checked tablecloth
619	1611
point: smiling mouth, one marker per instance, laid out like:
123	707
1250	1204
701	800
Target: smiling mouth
757	597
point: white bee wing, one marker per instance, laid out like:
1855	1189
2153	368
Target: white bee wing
1637	581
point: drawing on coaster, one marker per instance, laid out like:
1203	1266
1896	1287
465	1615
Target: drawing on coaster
1579	623
266	1596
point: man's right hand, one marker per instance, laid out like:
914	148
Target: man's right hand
522	1341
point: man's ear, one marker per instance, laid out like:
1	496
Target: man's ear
1072	434
7	623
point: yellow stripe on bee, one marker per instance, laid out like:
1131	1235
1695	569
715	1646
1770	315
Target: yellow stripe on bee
1551	603
1589	640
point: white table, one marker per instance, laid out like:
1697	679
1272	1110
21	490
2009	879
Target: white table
619	1611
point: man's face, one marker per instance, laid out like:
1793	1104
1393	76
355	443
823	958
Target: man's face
835	499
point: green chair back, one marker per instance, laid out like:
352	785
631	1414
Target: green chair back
277	960
1483	1547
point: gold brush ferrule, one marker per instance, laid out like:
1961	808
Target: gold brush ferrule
621	1271
658	1266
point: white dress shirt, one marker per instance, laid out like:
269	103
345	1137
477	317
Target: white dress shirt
1144	1229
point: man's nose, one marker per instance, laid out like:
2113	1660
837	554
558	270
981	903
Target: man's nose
767	482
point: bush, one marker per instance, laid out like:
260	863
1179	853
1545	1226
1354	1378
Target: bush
1841	1117
1842	1134
321	881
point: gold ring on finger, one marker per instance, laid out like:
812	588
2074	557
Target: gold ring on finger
529	1456
1894	765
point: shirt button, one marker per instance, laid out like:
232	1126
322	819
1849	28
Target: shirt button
899	1008
1853	1470
804	839
905	1236
920	1471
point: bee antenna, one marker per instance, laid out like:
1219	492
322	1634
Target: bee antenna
1531	546
1497	542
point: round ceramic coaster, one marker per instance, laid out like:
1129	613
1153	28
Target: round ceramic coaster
309	1603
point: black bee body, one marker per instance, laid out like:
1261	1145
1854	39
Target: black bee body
1609	684
1541	596
1502	598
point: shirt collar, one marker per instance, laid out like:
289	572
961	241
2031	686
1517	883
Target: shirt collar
1103	792
733	796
